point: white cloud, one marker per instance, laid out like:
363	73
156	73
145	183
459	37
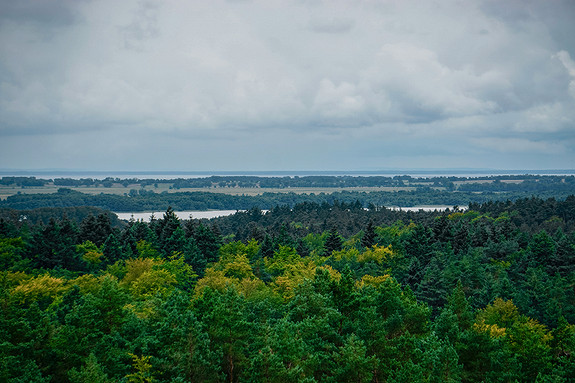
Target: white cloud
545	118
423	88
569	64
337	104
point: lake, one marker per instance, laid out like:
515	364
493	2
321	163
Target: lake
145	216
180	214
425	208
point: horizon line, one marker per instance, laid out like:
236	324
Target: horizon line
397	171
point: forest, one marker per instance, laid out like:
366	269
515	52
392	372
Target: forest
142	200
222	192
307	292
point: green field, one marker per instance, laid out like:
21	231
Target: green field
118	189
254	186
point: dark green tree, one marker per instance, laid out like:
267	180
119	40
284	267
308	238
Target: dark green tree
333	241
112	249
225	317
369	236
207	242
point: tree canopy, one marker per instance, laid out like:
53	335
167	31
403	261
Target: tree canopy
310	292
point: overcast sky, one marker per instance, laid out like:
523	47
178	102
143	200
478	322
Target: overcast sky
287	85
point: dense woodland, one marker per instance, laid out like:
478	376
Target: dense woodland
406	191
144	200
43	215
329	292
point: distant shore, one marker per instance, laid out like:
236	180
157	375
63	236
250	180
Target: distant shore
167	175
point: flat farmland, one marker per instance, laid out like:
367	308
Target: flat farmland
118	189
236	188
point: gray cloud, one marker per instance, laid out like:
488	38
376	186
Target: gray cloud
49	13
331	25
313	84
142	26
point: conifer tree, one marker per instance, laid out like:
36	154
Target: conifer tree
368	238
333	242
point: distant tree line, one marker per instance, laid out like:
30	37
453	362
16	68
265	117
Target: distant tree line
557	184
524	183
150	201
43	215
23	181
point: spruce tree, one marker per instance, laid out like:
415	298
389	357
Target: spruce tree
333	242
368	239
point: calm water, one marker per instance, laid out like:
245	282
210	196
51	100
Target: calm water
220	213
181	214
425	208
416	173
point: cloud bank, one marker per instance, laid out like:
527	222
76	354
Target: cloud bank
263	85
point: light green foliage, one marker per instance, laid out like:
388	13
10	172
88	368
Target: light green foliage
529	340
235	260
392	235
348	255
283	260
44	287
234	249
233	270
135	268
314	242
142	370
182	271
146	249
90	253
148	277
378	254
150	283
9	279
290	270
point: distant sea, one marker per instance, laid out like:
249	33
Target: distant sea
417	173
